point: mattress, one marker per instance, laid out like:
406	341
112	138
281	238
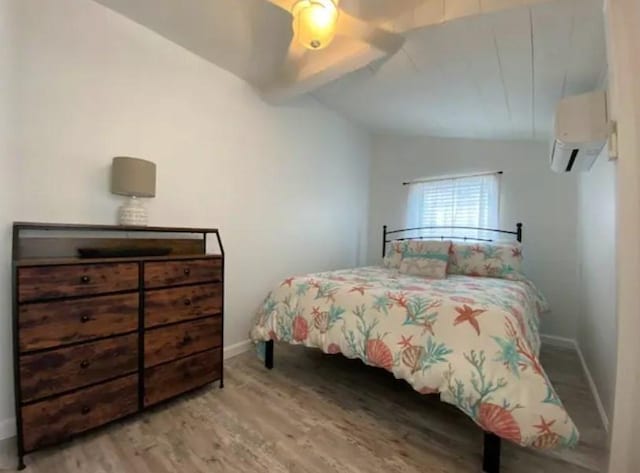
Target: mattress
473	340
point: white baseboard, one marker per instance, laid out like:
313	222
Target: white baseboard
564	342
237	349
8	454
7	428
555	341
594	390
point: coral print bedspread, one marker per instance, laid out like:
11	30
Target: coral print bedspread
474	340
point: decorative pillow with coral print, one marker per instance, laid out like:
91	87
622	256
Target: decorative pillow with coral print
394	254
495	260
428	259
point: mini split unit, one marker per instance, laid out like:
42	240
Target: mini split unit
581	131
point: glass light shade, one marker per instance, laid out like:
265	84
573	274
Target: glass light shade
314	23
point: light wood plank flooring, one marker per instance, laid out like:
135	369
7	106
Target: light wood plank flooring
316	413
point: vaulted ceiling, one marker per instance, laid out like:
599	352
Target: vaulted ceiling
488	76
468	68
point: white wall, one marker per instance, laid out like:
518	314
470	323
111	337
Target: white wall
623	37
597	262
288	187
530	193
7	163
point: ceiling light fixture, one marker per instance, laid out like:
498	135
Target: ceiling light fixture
314	22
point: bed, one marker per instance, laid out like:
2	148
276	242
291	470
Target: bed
474	340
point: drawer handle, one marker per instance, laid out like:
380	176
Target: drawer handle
187	271
187	301
85	410
187	339
84	364
85	279
84	319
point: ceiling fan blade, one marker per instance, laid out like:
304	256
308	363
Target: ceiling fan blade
284	4
295	58
296	51
377	37
319	68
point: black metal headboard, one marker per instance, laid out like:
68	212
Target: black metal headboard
385	234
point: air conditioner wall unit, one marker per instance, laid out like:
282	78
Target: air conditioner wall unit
581	130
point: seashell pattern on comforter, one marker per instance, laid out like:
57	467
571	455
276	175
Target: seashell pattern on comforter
474	340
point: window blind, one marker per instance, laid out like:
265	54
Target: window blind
456	202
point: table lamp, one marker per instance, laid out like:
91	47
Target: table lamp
134	178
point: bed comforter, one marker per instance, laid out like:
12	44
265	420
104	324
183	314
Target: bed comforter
473	340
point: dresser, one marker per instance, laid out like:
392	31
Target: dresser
99	339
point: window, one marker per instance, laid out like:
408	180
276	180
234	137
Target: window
471	201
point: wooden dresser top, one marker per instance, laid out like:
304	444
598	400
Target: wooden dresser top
75	260
48	244
113	228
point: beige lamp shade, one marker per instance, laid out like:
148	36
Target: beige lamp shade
133	177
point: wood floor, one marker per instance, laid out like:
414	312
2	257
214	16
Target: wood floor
318	413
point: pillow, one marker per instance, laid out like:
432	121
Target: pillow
394	254
496	260
428	259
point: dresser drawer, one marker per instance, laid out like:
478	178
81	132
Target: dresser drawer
49	422
175	341
63	369
51	324
173	273
51	282
169	380
164	306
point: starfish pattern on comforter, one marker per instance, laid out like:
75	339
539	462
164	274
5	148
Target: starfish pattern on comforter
474	340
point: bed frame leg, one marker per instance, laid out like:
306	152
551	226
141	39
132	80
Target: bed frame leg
268	355
491	458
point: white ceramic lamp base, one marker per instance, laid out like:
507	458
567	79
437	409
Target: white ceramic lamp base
133	213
